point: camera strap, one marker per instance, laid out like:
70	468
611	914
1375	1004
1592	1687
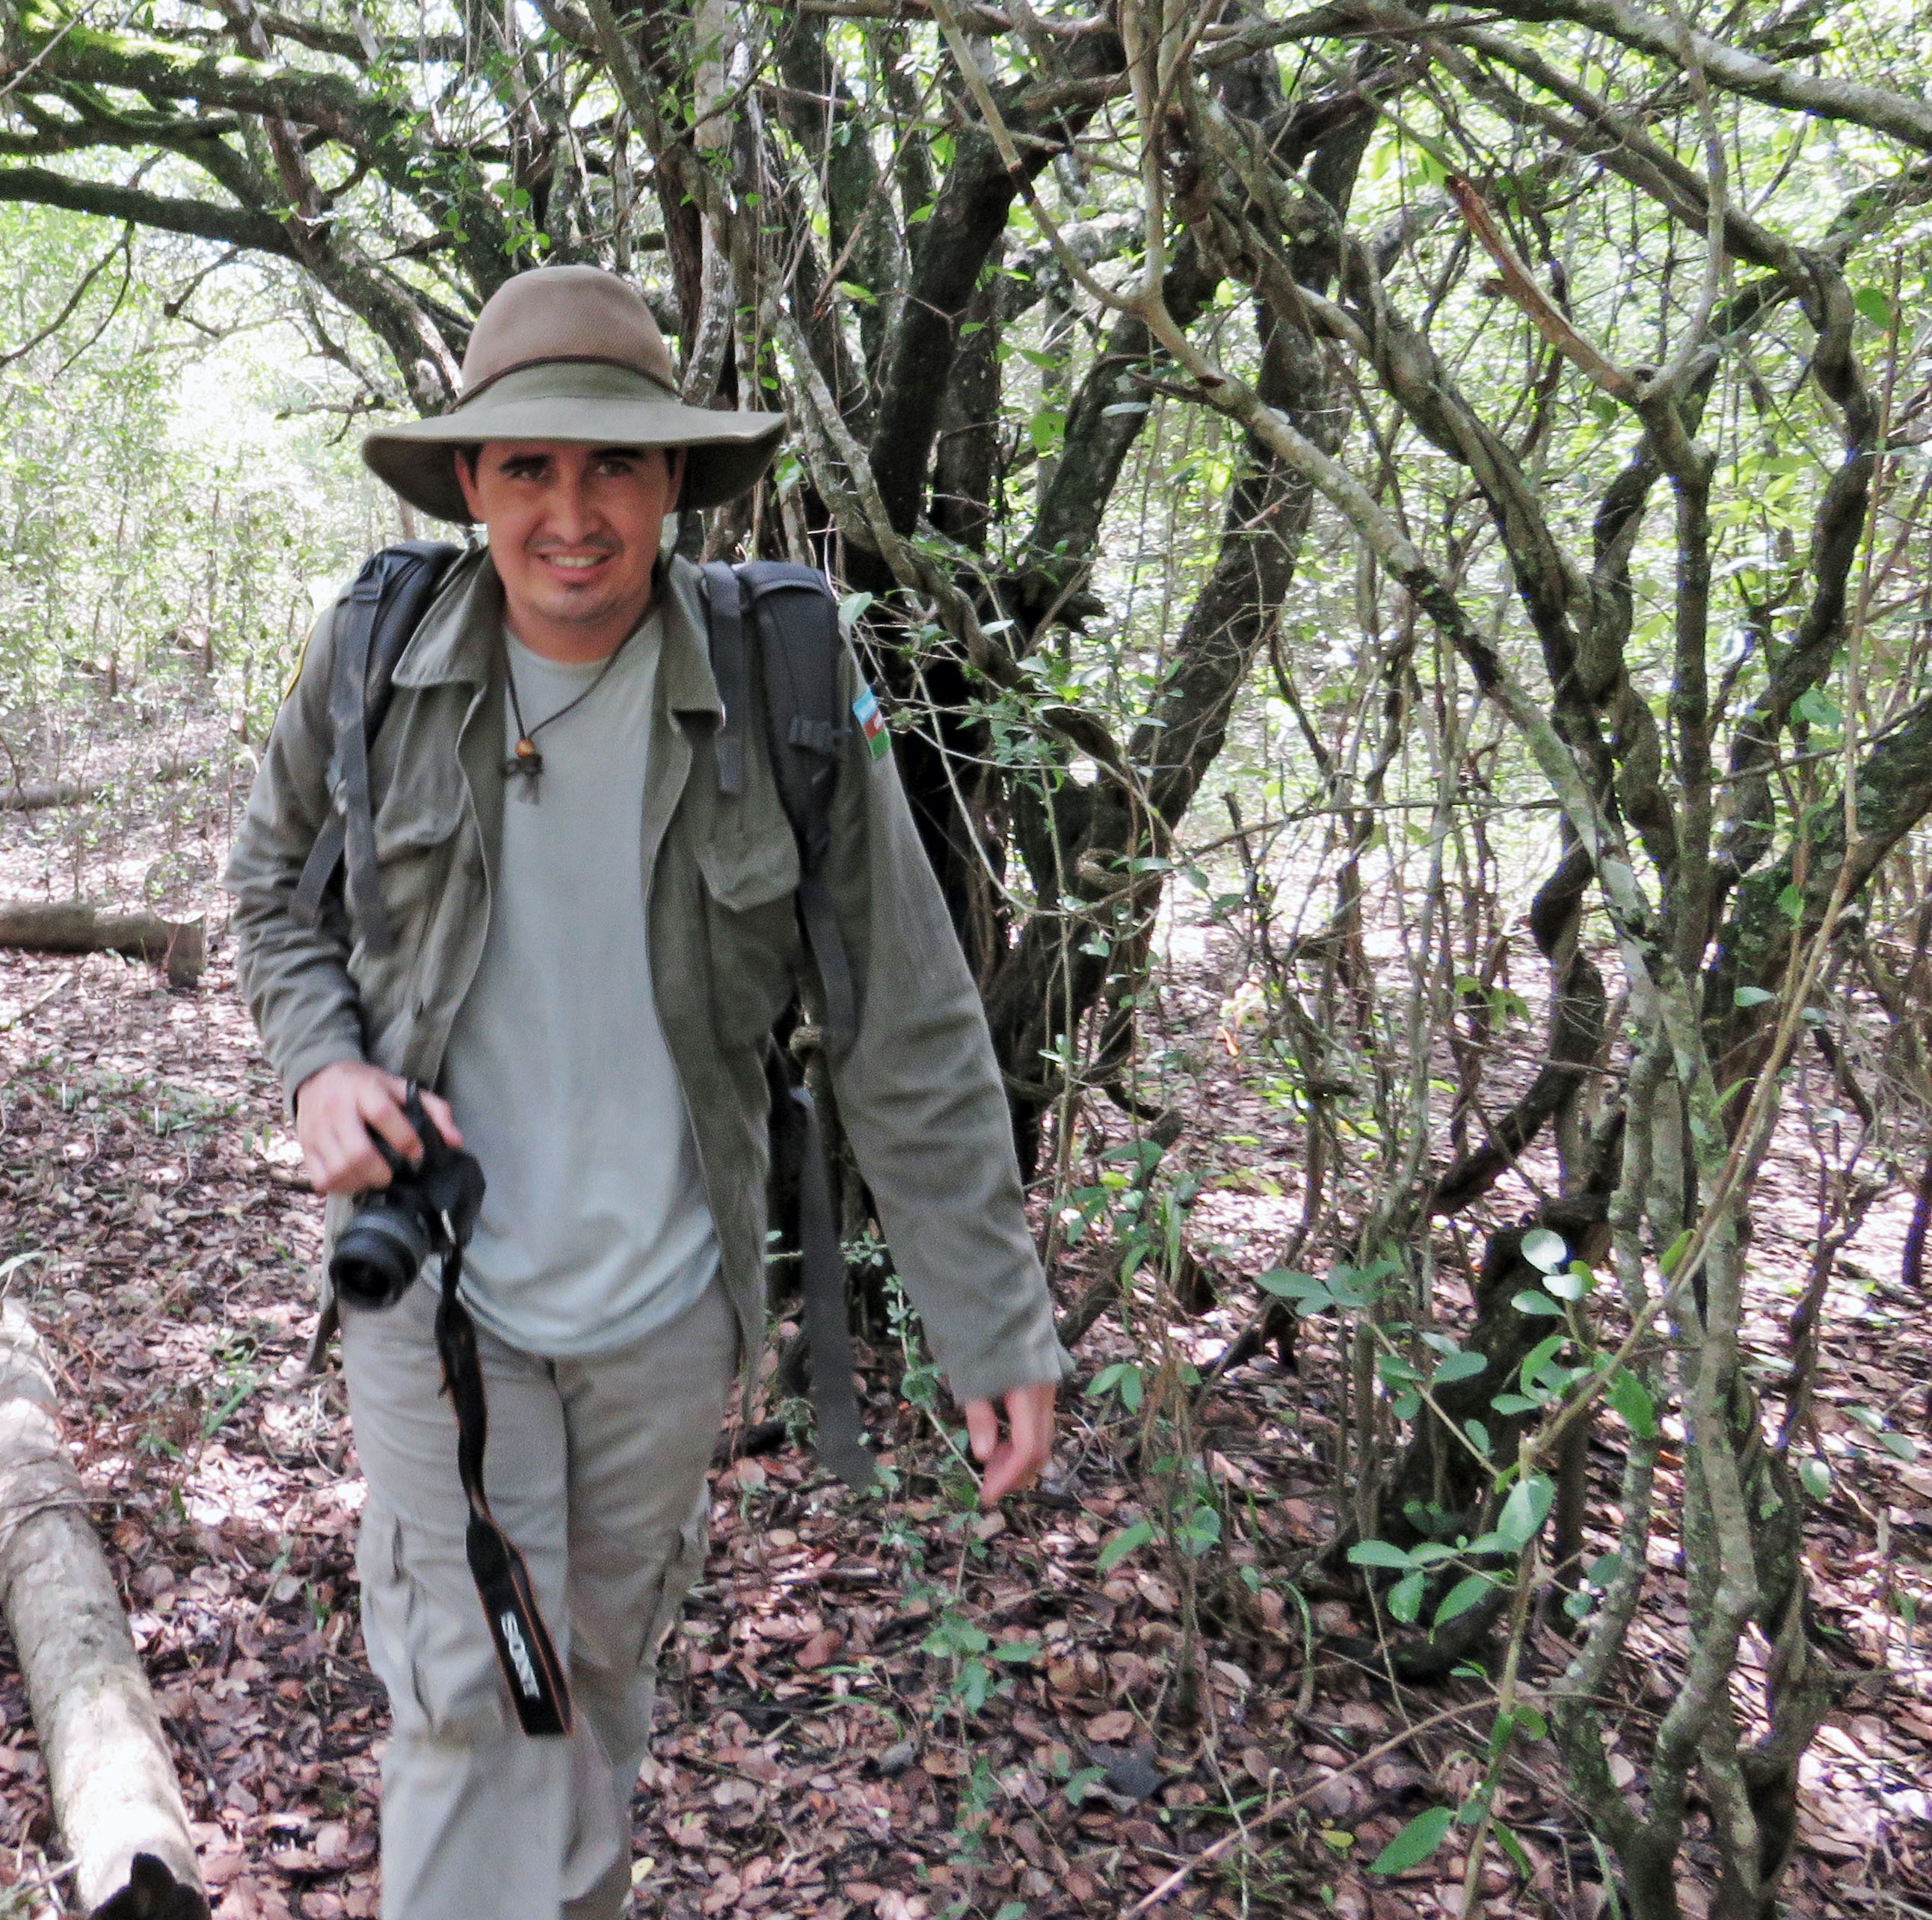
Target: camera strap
538	1687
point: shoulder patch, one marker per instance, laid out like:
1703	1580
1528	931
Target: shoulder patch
301	660
871	723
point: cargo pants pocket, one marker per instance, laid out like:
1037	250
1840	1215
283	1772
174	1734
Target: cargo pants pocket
428	1641
681	1569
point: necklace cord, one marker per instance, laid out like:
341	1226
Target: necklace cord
529	733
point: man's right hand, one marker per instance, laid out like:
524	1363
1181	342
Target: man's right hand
334	1110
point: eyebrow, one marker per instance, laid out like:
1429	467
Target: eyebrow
599	453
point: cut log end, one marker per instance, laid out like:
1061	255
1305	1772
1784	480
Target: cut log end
152	1893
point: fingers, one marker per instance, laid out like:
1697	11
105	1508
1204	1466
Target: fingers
982	1428
334	1110
1018	1461
378	1103
438	1109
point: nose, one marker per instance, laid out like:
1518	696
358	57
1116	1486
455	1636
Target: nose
571	513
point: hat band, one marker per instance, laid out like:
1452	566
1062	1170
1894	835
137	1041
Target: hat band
570	376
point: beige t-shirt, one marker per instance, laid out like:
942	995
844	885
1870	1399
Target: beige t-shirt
594	1227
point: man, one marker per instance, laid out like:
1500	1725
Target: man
590	943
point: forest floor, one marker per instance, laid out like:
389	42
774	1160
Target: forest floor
899	1706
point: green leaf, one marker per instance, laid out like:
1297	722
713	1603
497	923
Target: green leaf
1544	1250
1674	1252
1876	305
1815	1477
1463	1595
1631	1399
1898	1445
1016	1651
1532	1723
1117	1549
1536	1303
1513	1403
1479	1434
1405	1599
1525	1509
1459	1366
1377	1553
1415	1843
1285	1286
954	1635
1571	1284
1048	430
1791	903
1815	708
1751	997
1083	1783
1506	1840
1539	1357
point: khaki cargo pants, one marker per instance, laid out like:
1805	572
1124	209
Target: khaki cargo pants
595	1468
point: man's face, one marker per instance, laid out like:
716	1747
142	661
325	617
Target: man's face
574	532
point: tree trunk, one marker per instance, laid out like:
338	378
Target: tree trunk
116	1797
73	926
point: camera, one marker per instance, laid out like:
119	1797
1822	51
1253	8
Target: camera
429	1207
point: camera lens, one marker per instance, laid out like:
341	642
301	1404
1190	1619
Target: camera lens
378	1255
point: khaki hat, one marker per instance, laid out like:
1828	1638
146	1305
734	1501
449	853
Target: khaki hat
572	354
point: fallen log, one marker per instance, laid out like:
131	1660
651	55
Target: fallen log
41	794
77	926
116	1800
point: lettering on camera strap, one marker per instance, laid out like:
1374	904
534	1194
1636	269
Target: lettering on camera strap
538	1689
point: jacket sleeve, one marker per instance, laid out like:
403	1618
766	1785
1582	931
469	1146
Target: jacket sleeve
295	979
921	1100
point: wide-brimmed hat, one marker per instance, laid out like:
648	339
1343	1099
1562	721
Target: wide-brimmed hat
572	354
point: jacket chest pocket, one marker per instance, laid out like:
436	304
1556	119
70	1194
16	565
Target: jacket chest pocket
750	868
422	808
751	879
417	824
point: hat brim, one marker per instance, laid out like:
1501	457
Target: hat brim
581	403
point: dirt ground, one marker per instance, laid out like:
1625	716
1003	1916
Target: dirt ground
898	1706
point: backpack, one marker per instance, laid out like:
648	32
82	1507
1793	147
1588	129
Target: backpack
793	681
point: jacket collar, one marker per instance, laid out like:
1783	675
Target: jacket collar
684	666
457	640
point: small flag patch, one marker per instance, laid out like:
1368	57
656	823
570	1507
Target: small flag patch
871	723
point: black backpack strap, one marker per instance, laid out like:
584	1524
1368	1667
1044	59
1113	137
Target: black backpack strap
730	668
800	649
806	728
835	1406
374	622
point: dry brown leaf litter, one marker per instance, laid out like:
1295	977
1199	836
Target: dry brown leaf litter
808	1762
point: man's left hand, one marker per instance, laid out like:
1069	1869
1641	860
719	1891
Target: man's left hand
1015	1461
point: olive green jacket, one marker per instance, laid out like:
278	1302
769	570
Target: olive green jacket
919	1092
